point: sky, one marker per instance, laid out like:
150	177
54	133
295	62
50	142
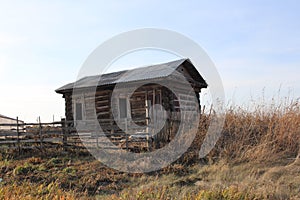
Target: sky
255	46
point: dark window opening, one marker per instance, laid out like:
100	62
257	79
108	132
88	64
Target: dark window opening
157	99
123	107
79	111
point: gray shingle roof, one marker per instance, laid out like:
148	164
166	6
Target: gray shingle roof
138	74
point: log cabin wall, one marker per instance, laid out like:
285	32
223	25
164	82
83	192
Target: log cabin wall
68	106
136	105
139	103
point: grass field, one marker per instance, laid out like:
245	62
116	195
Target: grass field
257	157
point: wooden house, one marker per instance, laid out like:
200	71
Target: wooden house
94	98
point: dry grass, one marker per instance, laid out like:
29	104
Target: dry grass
257	157
28	191
262	134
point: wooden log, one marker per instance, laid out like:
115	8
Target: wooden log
30	124
19	148
29	141
28	134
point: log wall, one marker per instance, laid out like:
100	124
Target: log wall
98	105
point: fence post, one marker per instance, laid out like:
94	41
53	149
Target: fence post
147	106
64	133
126	133
18	136
40	132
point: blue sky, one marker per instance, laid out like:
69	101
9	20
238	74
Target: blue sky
255	45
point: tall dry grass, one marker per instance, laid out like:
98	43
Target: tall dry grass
262	132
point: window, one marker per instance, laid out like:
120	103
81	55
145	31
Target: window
123	108
78	109
157	99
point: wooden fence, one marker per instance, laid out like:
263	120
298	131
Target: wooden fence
32	135
59	134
